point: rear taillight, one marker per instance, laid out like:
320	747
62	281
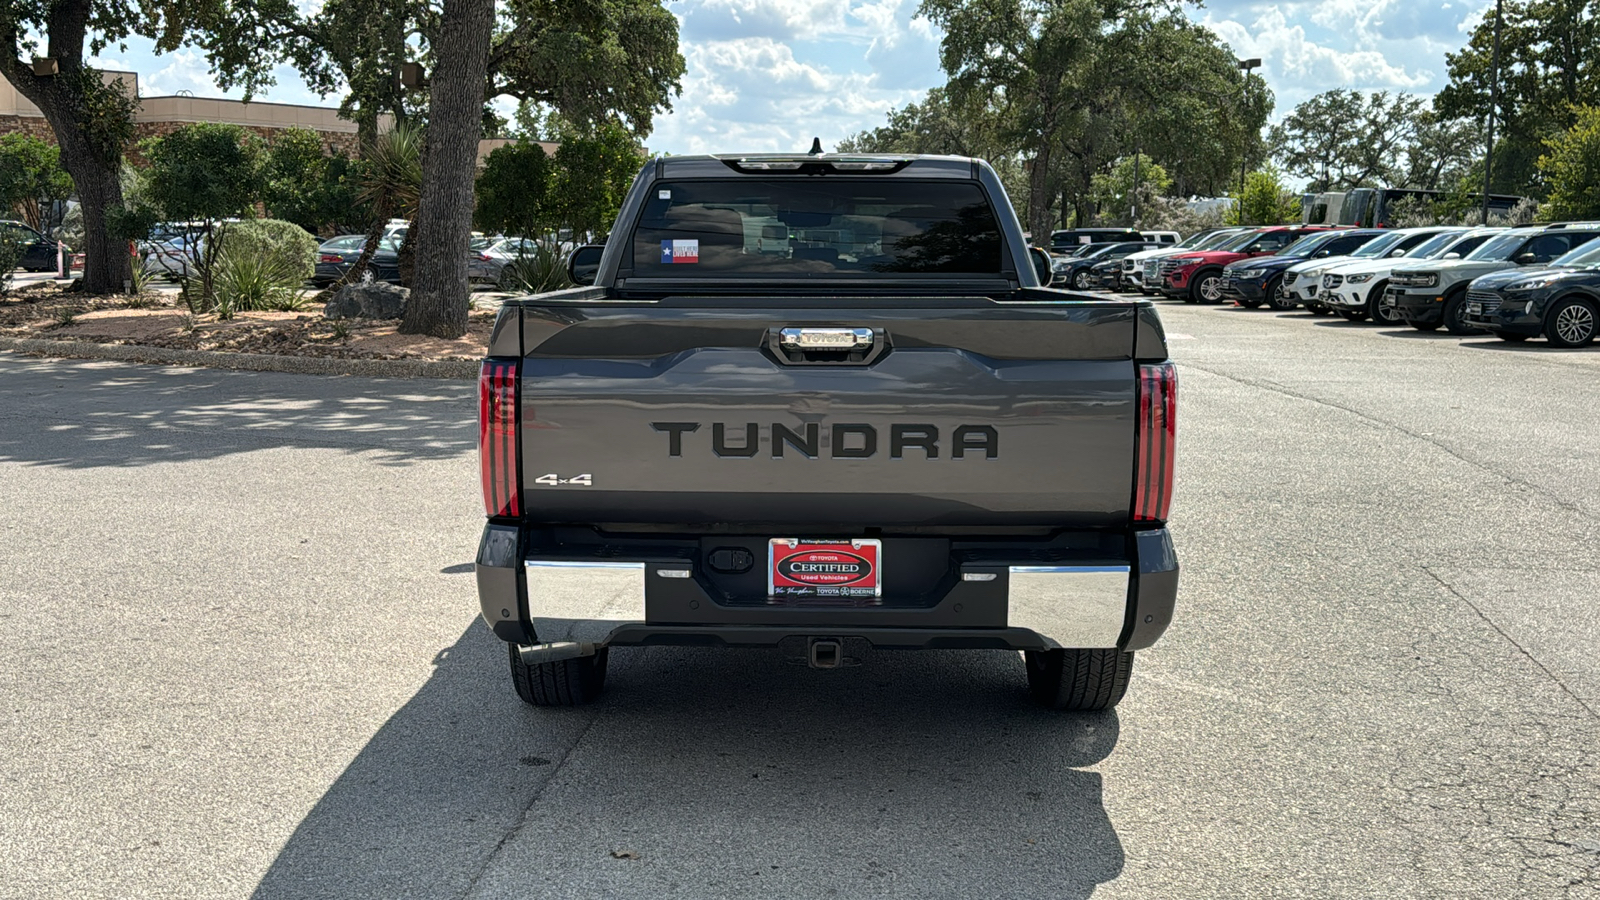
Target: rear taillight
497	437
1156	447
484	257
332	258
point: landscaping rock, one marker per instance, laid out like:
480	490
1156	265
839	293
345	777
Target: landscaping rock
378	300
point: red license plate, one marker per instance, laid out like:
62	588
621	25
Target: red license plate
800	568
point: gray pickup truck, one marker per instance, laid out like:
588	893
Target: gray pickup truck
810	400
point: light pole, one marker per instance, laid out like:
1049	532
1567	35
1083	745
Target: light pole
1245	65
1494	103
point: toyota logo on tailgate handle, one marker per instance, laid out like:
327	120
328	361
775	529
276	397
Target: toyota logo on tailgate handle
825	338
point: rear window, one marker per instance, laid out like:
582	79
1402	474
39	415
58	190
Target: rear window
816	227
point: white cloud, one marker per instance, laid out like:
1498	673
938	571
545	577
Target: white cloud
755	94
187	71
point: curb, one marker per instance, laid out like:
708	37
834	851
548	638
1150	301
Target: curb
460	369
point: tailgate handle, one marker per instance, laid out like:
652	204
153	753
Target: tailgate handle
842	340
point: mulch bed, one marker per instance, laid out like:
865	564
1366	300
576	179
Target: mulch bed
154	319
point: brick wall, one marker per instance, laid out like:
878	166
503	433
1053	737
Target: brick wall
33	125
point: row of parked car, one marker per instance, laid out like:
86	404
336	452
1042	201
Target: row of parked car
1515	283
175	249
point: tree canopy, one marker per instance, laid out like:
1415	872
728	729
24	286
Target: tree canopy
1057	91
92	118
31	177
1549	69
1571	168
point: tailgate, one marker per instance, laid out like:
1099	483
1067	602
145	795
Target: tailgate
969	413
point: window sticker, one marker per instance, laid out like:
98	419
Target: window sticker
663	194
680	251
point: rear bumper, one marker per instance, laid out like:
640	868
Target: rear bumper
1016	604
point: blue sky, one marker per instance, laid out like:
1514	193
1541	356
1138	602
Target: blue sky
770	74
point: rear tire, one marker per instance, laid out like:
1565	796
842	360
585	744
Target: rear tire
1078	680
568	682
1424	326
1352	315
1512	338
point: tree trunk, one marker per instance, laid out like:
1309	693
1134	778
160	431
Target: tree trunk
106	261
439	296
1039	218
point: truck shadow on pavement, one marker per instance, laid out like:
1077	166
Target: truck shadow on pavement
79	414
717	772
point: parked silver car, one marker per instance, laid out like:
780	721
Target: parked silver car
491	264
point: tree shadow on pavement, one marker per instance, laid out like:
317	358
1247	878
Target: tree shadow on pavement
80	414
718	772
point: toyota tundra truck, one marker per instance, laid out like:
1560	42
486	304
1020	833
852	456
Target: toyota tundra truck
816	402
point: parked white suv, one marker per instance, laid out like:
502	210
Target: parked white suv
1355	290
1301	283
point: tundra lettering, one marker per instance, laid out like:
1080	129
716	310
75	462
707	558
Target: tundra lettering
844	440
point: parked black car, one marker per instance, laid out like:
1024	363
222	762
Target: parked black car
39	252
1252	282
1076	271
1106	275
1561	302
337	255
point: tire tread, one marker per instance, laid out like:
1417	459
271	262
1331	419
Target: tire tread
567	682
1079	680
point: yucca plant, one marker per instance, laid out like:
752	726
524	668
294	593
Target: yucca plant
245	280
539	270
391	186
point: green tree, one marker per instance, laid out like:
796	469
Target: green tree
31	177
1571	168
205	173
593	175
1067	99
591	60
92	119
1265	201
1342	139
1441	153
1133	181
305	184
1547	72
514	191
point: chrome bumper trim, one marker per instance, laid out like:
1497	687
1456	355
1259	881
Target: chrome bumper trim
583	601
1072	607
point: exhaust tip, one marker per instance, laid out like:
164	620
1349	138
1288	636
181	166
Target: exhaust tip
825	653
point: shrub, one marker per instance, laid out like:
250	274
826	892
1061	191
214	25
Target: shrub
294	249
11	253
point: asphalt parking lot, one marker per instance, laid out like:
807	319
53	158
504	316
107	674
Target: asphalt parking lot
243	659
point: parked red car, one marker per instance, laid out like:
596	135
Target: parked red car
1197	277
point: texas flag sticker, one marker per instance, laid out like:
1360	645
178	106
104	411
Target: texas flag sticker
680	252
